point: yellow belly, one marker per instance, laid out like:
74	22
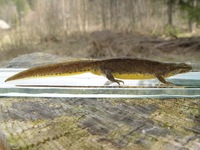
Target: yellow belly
129	76
134	76
116	75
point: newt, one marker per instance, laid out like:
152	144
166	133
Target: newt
113	69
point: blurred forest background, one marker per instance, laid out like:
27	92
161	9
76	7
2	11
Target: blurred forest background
154	29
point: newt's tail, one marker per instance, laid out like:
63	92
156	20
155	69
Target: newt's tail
59	69
30	73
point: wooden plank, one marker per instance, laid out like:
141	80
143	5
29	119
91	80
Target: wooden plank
53	123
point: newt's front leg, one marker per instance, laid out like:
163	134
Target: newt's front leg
162	79
110	77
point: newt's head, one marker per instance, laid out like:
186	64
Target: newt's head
179	68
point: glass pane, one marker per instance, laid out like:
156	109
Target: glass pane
89	85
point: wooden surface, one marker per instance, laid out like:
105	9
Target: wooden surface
63	123
81	123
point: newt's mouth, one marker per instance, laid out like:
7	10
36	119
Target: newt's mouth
183	68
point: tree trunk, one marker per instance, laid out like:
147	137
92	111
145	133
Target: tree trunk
103	14
170	11
193	4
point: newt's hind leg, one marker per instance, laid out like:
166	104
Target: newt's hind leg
110	77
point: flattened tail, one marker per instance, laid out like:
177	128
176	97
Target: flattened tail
8	79
59	69
34	74
21	75
15	77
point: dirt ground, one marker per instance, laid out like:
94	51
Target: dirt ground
104	44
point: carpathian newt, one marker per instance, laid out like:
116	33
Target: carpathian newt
120	68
